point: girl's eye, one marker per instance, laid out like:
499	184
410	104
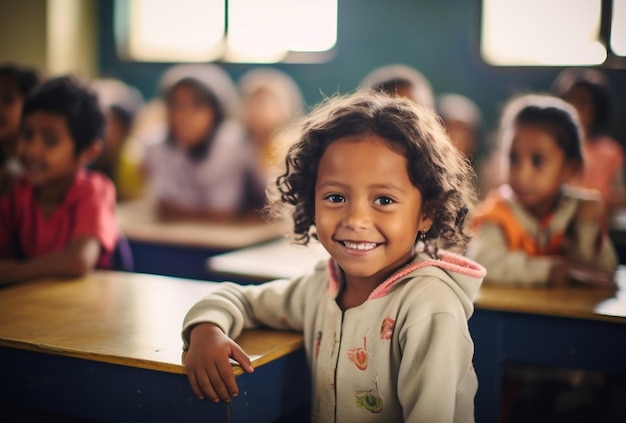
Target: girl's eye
27	135
335	198
384	201
513	158
538	161
49	141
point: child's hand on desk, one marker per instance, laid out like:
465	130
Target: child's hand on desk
565	272
208	366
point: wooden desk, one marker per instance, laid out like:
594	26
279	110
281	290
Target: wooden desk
570	328
108	347
578	328
268	261
181	248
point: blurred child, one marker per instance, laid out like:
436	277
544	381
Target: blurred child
536	230
589	92
120	102
199	170
16	84
402	81
464	123
384	322
270	101
59	218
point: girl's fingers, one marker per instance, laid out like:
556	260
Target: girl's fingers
242	358
228	377
217	382
193	382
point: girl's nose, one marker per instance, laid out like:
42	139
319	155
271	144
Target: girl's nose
357	216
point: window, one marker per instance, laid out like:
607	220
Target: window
249	31
550	32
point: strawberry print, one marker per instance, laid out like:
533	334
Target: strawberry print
386	328
360	356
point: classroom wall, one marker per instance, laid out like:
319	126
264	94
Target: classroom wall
438	37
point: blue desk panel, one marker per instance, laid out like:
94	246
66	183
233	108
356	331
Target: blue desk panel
113	393
562	342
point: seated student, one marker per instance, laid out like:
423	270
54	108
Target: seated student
464	123
589	92
120	102
16	84
198	169
270	101
402	81
537	230
59	218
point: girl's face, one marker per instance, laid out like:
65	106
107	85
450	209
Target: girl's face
367	211
190	118
11	102
538	168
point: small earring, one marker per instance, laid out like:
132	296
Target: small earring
421	235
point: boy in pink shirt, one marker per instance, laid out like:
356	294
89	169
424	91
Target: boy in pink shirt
58	219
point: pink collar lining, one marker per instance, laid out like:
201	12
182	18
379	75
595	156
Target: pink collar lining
448	261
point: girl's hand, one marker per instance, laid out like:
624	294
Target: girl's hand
208	366
566	272
586	276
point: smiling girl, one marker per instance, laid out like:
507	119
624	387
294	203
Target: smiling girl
376	180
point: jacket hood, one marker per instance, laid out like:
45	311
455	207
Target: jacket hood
461	274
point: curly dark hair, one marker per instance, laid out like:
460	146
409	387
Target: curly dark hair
71	98
443	175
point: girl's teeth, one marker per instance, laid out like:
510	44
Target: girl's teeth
360	245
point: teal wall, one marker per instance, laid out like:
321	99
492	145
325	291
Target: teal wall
438	37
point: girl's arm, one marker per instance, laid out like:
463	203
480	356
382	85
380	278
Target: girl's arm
489	248
75	260
211	325
437	382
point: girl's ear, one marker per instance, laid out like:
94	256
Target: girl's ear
91	153
425	223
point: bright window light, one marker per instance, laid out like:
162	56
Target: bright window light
267	31
180	30
264	31
541	32
618	28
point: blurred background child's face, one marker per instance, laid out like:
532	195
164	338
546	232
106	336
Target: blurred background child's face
11	102
264	114
582	100
190	118
538	168
46	149
462	136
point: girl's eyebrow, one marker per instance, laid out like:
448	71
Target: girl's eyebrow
382	187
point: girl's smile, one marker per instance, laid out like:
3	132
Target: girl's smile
367	211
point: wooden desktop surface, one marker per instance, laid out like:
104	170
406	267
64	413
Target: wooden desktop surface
119	318
139	222
272	260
